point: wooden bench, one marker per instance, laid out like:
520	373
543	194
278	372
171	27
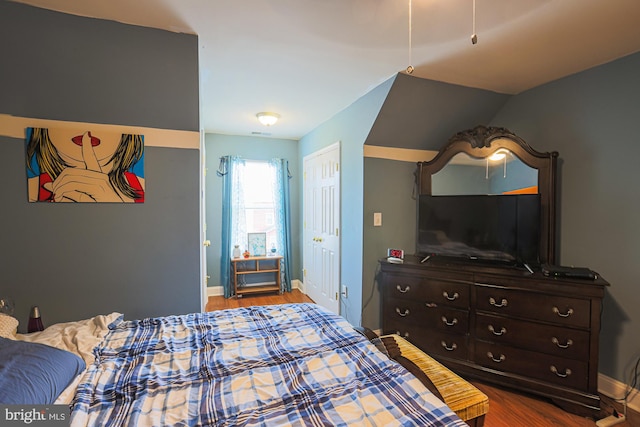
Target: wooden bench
469	403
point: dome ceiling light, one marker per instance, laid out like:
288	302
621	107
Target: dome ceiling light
267	118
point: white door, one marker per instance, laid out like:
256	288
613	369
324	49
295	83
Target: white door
321	234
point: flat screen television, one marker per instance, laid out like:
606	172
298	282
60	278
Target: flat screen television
493	228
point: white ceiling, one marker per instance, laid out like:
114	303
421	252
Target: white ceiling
309	59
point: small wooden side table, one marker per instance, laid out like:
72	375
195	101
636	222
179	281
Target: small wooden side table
244	267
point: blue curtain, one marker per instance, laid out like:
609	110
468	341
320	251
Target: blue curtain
234	229
283	217
229	170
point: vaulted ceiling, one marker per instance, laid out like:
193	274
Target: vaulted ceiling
309	59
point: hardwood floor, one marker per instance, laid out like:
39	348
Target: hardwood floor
221	303
506	408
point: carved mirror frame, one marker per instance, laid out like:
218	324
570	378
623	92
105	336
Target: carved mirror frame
480	142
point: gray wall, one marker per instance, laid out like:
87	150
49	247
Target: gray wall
424	114
591	119
351	127
250	148
417	114
75	261
389	190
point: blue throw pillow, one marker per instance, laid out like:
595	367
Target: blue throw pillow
35	374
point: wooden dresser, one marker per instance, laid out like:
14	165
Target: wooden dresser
501	325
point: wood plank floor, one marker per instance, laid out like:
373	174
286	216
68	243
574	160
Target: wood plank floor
506	408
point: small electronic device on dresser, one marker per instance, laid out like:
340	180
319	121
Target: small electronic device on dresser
395	256
569	272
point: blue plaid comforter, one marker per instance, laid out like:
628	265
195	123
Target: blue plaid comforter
283	365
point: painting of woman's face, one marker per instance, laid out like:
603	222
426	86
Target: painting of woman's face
83	165
69	143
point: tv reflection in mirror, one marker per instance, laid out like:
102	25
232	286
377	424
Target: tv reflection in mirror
502	229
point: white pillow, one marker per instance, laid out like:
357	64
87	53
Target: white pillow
77	337
8	326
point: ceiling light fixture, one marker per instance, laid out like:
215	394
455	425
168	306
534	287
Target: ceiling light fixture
501	154
498	155
268	119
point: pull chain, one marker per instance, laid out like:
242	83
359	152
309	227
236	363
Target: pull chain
504	171
474	36
410	67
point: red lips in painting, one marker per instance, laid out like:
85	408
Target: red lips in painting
78	140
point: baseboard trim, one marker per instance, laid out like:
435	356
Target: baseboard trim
218	291
615	389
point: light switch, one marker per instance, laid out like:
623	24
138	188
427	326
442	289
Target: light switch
377	219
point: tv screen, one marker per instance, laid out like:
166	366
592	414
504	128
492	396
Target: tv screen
496	228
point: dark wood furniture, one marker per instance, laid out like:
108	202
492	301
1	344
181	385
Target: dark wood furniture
504	325
501	325
241	268
479	143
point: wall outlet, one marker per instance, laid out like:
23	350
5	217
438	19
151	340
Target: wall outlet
611	420
344	291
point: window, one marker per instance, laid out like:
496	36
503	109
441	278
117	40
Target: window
255	199
258	182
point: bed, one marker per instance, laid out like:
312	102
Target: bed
280	365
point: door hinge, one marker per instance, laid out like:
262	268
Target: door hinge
336	296
304	272
337	167
337	233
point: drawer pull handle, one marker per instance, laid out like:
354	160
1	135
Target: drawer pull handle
431	304
403	314
446	321
503	302
566	373
568	344
454	297
502	330
405	290
502	357
569	312
405	335
448	348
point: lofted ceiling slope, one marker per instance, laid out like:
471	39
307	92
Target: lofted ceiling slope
309	59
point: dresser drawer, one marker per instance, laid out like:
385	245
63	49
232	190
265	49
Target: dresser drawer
564	311
440	344
556	370
430	290
426	316
432	342
555	340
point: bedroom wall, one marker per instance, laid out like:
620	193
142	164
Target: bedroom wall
591	119
419	115
75	261
351	127
250	148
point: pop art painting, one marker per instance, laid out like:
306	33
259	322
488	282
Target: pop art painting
84	166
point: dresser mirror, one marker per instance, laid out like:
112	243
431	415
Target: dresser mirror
501	173
490	160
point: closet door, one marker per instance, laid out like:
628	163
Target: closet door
321	235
